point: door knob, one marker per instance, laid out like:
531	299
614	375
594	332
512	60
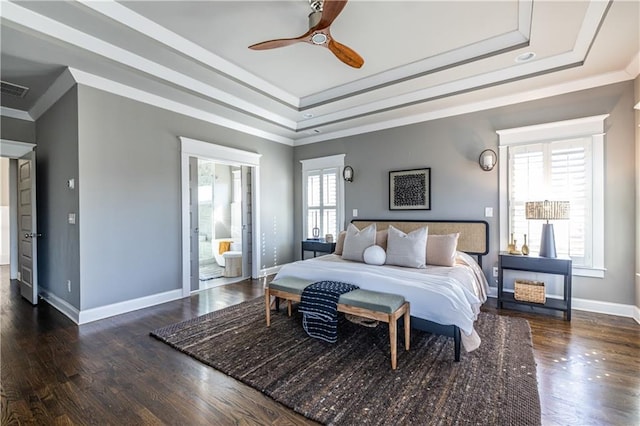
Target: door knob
31	235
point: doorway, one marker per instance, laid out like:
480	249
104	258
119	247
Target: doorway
217	210
220	204
18	233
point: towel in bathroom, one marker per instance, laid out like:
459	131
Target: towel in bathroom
224	247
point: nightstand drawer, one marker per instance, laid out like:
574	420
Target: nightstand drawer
536	264
317	247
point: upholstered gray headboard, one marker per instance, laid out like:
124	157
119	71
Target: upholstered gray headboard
473	239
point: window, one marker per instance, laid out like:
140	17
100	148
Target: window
323	200
557	161
558	170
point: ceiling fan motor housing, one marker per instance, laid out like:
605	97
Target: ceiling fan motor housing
314	18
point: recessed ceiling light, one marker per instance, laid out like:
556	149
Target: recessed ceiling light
524	57
307	115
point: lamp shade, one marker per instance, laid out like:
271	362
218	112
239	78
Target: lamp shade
547	210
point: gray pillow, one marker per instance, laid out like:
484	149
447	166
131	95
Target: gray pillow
356	242
408	250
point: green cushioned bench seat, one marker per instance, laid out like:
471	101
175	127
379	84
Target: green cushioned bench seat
290	284
373	300
369	304
367	299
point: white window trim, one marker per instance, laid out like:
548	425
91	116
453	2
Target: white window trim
324	163
593	127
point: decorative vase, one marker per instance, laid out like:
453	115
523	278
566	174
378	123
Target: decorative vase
511	247
525	247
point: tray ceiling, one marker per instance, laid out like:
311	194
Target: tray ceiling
423	59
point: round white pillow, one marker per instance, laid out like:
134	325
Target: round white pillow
374	255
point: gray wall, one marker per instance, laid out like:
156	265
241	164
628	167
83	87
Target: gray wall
56	163
17	130
129	176
461	190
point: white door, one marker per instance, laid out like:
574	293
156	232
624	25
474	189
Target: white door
27	230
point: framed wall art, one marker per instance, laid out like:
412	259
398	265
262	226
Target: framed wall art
410	189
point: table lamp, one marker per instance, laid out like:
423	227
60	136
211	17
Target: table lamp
547	210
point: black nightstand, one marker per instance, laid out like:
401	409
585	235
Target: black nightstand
546	265
317	246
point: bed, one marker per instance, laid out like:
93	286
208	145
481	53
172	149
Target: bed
444	300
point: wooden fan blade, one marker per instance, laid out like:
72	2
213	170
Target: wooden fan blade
330	11
280	42
272	44
345	54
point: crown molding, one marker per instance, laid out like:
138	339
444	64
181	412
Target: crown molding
15	113
138	95
61	32
531	95
60	86
162	35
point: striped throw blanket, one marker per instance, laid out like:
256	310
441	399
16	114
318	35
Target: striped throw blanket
319	308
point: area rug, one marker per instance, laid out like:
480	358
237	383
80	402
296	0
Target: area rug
351	382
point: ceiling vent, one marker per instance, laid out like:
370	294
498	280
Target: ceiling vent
11	89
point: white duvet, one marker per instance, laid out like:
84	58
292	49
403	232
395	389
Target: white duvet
446	295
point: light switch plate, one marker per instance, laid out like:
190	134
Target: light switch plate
355	213
71	183
488	212
72	218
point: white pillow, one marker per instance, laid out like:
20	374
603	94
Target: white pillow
441	249
356	241
374	255
408	250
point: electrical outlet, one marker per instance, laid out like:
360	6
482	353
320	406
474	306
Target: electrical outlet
69	286
495	272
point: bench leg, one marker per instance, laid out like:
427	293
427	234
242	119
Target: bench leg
267	300
289	307
407	329
393	340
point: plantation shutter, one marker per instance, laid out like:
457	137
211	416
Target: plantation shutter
322	201
559	170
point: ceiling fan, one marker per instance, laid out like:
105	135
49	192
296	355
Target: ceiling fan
324	12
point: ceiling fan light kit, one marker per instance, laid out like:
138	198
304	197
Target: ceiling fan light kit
320	19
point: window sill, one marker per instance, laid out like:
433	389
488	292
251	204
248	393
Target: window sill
581	271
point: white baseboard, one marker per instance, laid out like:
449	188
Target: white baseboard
101	312
62	305
596	306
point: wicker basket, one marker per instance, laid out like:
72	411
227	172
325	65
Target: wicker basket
529	291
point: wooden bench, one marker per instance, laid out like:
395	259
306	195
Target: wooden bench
368	304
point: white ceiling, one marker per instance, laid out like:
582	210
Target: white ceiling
423	59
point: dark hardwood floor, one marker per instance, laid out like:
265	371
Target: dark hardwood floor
113	372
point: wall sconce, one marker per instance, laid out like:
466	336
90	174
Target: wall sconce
347	173
488	160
